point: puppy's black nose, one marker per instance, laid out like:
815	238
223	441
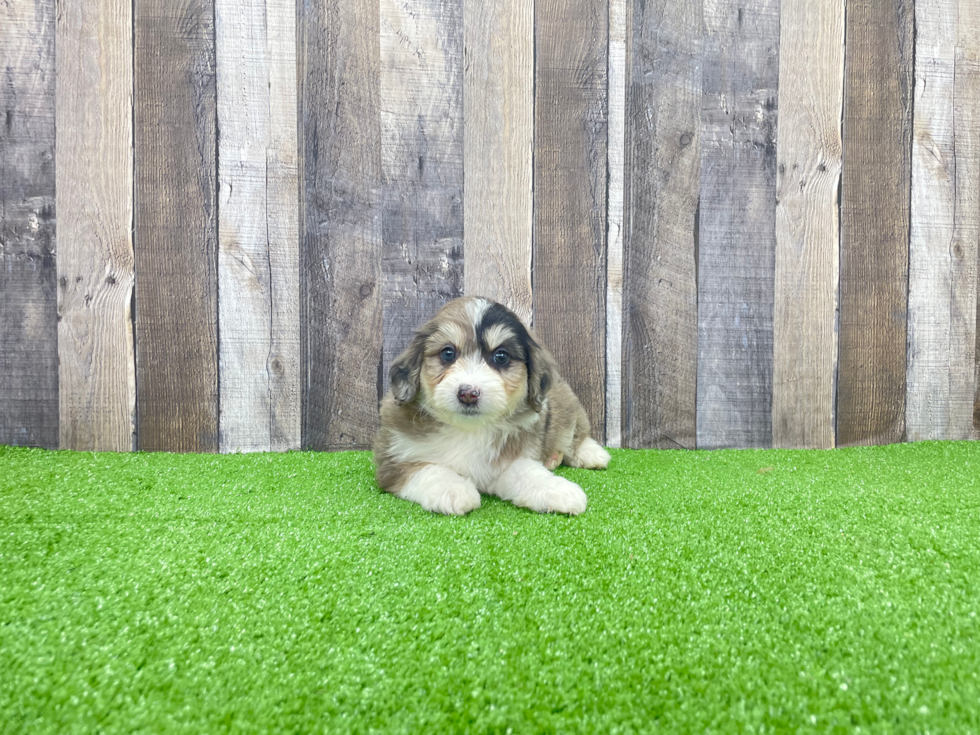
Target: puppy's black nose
468	394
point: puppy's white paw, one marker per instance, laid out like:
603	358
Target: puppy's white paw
440	490
591	456
555	494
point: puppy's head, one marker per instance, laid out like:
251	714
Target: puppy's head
474	363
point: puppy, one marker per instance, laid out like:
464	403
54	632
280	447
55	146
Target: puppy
477	406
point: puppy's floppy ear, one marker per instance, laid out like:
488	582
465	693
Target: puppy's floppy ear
406	370
541	373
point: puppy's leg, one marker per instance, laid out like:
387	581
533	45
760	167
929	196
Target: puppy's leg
440	490
528	484
589	455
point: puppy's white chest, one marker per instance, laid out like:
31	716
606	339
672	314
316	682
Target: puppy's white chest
473	454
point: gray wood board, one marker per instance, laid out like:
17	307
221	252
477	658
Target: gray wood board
422	165
736	255
258	228
28	272
663	189
341	318
498	138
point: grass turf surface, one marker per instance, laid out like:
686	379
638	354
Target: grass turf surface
725	591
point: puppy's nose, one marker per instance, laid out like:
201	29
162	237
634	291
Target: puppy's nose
468	394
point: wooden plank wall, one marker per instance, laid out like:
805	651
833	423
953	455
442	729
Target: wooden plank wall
28	271
750	223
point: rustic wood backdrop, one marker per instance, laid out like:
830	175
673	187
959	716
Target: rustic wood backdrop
737	223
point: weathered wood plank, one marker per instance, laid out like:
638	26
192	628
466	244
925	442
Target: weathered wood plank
811	73
943	241
28	273
966	232
258	229
663	189
736	266
570	194
176	227
875	222
619	21
422	164
341	275
498	107
94	180
965	385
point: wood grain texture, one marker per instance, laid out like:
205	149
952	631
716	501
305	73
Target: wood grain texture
28	272
736	266
342	247
619	13
811	74
570	194
875	222
965	252
258	228
94	180
498	107
663	189
943	241
966	230
422	165
176	226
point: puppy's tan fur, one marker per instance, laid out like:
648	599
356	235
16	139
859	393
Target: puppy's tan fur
435	450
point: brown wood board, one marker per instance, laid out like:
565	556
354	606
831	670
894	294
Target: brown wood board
569	277
176	226
811	73
875	190
94	199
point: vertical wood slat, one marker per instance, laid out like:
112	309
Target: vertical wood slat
965	385
422	165
570	193
736	266
94	180
943	242
176	226
811	74
341	203
875	222
28	272
258	229
663	183
498	106
619	13
966	231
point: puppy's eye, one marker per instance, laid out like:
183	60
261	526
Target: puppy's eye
501	358
448	354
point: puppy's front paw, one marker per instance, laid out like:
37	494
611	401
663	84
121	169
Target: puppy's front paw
591	456
557	495
453	499
440	490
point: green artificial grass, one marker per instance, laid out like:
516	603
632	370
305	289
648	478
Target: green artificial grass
735	591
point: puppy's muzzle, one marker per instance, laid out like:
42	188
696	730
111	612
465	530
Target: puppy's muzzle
468	395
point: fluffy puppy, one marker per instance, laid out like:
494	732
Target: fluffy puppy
477	406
